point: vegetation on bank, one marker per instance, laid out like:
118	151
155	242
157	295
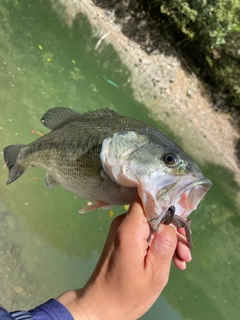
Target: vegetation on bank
208	33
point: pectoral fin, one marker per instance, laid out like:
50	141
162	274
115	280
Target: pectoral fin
50	181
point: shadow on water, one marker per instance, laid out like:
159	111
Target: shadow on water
44	62
140	22
137	25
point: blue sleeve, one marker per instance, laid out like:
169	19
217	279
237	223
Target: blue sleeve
4	315
51	310
15	315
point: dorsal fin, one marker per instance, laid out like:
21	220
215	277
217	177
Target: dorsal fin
101	112
56	117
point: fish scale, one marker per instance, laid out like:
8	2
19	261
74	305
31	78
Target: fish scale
106	157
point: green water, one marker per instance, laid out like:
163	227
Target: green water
44	63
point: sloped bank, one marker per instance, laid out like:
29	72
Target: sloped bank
161	81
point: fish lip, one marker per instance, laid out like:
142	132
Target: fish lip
193	188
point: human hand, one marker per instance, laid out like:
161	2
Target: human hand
131	272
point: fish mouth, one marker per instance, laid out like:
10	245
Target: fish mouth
186	198
184	195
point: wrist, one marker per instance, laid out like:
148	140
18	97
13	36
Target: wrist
90	304
70	300
97	304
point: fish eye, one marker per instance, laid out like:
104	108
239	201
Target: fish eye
170	159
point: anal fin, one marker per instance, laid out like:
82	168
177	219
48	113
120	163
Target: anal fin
94	206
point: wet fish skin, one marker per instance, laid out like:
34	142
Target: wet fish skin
70	155
70	152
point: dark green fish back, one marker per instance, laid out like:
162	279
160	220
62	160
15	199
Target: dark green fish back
79	134
70	153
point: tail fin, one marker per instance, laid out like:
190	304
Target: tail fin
11	154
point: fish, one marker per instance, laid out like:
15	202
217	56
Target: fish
103	156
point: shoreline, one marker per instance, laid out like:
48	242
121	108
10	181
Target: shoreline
161	82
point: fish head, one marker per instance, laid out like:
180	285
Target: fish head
162	172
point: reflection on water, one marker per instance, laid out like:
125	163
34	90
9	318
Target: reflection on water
44	63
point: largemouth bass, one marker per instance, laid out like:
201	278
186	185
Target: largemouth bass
109	158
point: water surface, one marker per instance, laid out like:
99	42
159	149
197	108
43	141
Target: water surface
45	63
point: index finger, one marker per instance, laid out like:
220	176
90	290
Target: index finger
135	221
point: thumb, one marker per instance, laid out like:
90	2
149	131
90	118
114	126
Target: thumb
160	252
